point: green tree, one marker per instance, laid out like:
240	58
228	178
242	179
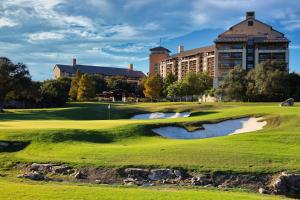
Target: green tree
86	89
74	85
140	87
196	84
234	86
169	80
153	87
268	82
13	79
54	93
99	83
119	83
294	86
175	90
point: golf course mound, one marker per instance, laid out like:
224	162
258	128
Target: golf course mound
160	115
228	127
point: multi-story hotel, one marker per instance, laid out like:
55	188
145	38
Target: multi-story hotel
195	60
247	44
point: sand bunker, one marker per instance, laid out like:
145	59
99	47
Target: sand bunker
159	115
228	127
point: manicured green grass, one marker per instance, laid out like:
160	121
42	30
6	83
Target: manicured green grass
73	139
11	190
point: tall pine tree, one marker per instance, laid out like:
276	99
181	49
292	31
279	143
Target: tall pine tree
74	85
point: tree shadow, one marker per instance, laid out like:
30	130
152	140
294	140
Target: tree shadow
93	136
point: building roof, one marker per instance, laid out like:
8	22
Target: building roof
192	52
256	39
160	48
260	32
106	71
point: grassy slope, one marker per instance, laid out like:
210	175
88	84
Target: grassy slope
11	190
74	135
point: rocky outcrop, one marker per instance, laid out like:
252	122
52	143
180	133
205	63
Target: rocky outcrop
282	184
286	184
288	102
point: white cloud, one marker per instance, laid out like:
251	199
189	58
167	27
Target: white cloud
295	46
45	36
5	22
119	31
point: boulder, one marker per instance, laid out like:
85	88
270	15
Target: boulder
80	175
36	176
161	174
288	102
137	173
286	184
61	169
41	167
202	179
263	191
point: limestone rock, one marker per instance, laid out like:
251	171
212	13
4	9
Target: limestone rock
286	184
61	169
288	102
36	176
137	173
80	175
161	174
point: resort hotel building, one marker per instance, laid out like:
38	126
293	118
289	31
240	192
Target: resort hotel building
247	44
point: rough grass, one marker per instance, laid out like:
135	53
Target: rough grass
27	190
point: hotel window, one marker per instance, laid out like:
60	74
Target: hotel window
155	66
249	66
250	23
250	50
250	58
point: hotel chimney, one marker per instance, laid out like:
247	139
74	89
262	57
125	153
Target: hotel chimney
250	15
74	62
180	49
130	67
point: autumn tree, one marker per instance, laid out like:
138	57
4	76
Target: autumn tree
74	85
153	87
86	88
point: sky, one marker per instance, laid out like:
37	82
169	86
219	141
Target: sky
42	33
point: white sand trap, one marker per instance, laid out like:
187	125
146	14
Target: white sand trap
158	115
228	127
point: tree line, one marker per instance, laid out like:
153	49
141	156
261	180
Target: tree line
17	89
269	81
192	85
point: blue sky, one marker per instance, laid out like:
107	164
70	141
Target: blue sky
41	33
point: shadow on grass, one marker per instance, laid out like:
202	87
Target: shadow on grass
94	136
91	111
12	146
193	114
97	111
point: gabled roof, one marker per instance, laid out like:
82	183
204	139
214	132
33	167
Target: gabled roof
160	48
106	71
